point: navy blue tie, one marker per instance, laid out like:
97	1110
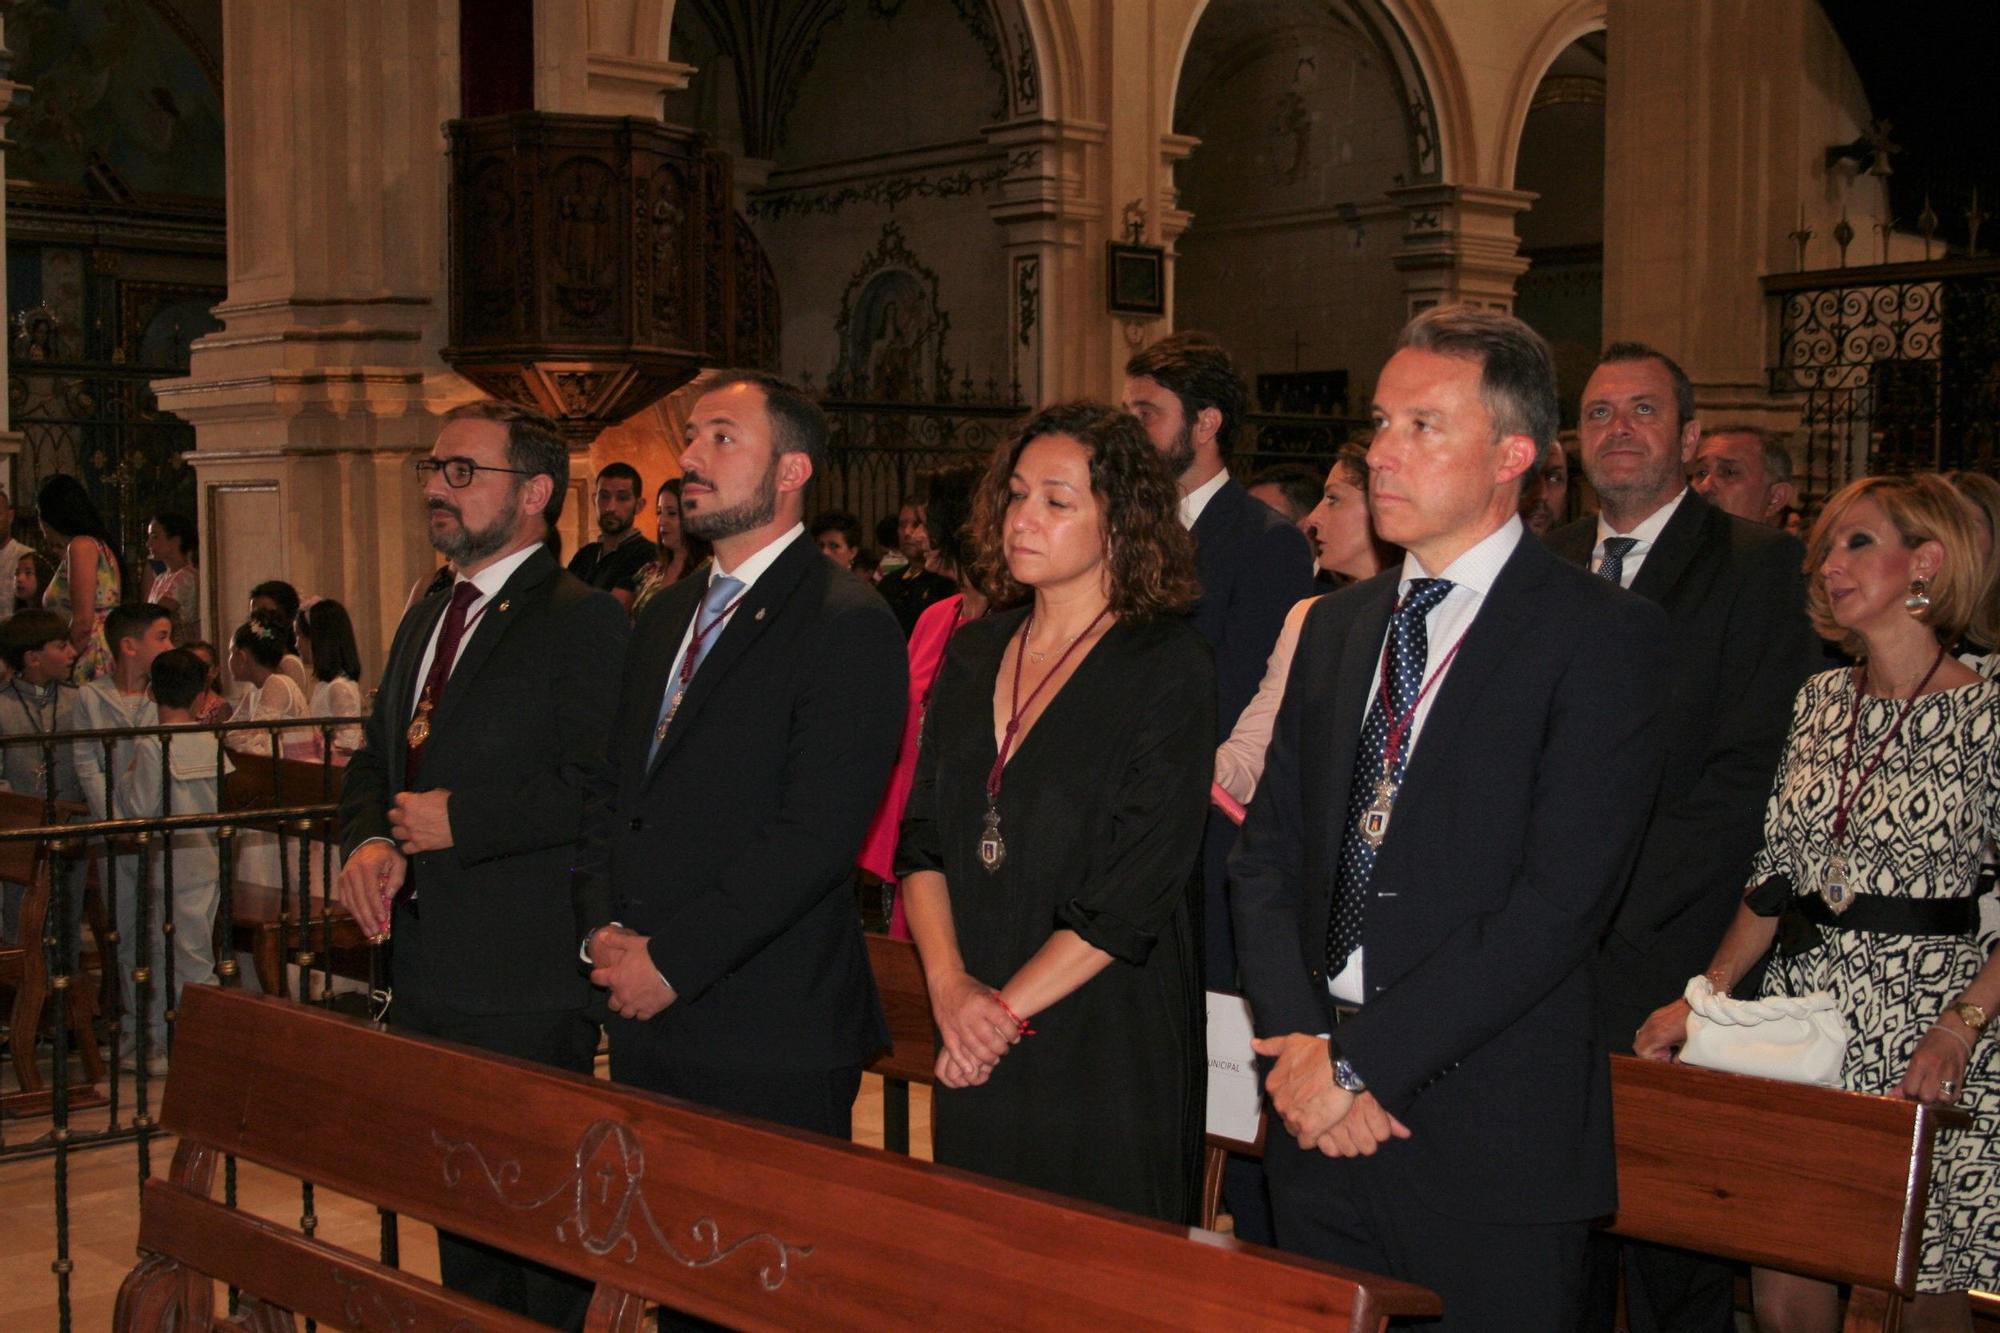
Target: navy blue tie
1409	650
1615	551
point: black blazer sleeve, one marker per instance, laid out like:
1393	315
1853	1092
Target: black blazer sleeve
1276	574
508	813
1599	765
846	725
365	785
1707	837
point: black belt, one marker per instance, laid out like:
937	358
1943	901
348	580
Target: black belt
1870	913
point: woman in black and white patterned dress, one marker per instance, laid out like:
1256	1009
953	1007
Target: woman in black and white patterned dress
1889	789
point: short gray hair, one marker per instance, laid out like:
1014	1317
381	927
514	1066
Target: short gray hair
1517	374
1777	453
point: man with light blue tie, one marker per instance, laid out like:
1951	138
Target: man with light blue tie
759	716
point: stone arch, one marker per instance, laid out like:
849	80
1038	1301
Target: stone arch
1412	41
1578	19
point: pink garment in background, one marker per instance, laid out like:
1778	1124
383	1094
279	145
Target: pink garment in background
933	631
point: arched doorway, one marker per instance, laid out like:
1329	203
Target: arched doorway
1309	115
1561	161
864	168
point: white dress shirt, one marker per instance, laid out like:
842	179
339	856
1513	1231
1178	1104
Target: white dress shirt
747	573
1645	533
1197	499
489	581
1472	576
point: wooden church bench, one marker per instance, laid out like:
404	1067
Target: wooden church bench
728	1219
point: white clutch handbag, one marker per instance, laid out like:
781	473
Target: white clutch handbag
1801	1039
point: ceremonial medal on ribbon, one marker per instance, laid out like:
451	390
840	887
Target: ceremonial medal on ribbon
1375	819
992	847
1834	886
420	725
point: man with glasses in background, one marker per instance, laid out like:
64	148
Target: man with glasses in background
460	812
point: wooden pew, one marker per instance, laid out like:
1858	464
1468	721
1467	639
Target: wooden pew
24	967
732	1220
1786	1176
257	925
912	1054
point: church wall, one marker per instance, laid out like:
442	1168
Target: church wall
1289	256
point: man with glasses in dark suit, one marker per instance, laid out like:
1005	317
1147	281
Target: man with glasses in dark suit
460	812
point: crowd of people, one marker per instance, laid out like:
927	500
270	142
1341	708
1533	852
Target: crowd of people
1512	787
108	662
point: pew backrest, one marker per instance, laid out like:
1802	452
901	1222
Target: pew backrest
731	1220
1802	1179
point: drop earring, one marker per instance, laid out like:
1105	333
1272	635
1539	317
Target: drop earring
1919	600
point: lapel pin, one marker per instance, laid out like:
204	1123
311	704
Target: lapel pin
759	615
505	605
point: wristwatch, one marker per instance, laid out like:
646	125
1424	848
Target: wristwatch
1343	1072
1971	1015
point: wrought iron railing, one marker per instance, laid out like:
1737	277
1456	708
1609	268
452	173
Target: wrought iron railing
878	449
1270	438
128	845
103	425
1896	368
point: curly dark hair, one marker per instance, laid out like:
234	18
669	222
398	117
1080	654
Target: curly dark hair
1149	553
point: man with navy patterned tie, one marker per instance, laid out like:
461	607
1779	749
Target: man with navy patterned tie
1460	771
759	716
1735	598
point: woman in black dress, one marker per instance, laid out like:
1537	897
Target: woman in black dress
1049	848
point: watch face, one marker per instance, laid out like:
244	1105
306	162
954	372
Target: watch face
1344	1075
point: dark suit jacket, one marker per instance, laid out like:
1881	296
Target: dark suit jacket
732	850
1519	813
1254	567
518	733
1740	646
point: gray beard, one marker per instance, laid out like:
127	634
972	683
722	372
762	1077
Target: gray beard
754	512
465	546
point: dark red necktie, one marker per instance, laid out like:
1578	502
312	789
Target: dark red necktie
462	598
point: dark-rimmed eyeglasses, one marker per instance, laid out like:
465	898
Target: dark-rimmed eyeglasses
458	472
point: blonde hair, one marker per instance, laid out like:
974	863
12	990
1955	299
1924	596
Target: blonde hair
1983	494
1923	507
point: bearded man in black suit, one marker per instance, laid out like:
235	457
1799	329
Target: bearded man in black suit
463	805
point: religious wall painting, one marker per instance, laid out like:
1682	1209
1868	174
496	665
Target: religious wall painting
158	321
891	328
126	101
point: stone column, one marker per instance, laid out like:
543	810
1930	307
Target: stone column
1459	245
1717	117
324	383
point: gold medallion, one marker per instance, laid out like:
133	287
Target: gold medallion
420	725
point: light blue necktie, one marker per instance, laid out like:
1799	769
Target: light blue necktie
708	628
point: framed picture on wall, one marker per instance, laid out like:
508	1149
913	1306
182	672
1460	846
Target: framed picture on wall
1137	277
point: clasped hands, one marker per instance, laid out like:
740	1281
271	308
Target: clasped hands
976	1029
621	964
1318	1112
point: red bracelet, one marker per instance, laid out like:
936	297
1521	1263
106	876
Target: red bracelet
1020	1023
